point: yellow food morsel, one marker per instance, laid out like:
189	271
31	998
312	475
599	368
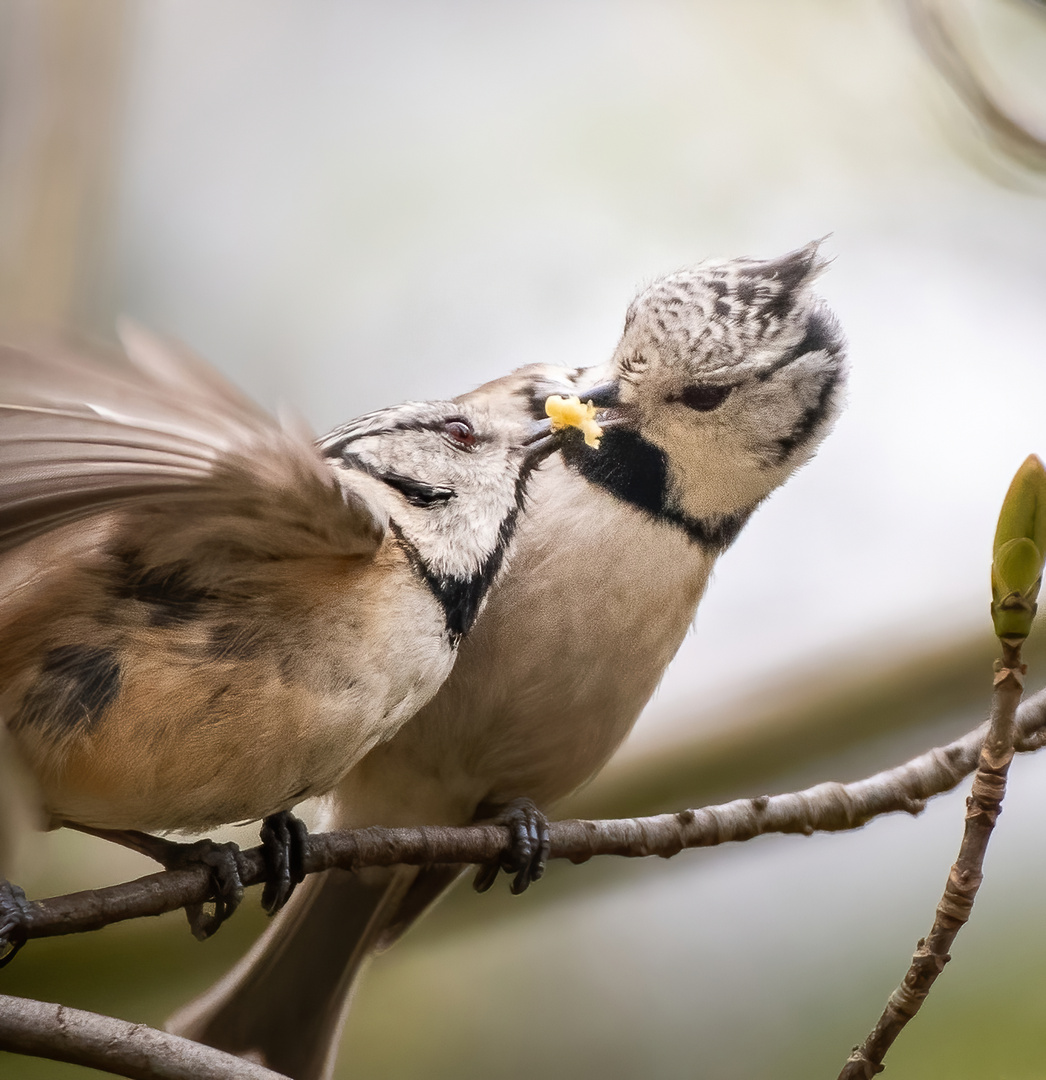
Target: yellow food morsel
569	412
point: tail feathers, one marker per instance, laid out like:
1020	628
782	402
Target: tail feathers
429	884
285	1002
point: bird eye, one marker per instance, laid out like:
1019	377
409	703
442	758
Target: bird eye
460	432
704	398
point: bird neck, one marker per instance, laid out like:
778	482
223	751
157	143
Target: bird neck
461	594
637	472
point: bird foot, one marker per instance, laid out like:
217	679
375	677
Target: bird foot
226	867
223	861
283	838
528	851
14	913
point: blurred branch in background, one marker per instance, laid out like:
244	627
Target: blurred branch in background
859	709
16	807
842	703
946	35
61	67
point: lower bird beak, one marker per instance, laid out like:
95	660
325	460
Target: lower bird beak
539	440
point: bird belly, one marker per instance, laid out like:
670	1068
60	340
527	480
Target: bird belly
239	711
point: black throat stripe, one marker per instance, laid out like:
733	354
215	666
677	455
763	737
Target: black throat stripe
636	472
461	597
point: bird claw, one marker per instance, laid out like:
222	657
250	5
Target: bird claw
528	851
14	914
283	838
226	866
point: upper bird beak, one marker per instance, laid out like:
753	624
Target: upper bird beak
606	396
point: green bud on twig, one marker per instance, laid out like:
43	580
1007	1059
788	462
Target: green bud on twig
1019	552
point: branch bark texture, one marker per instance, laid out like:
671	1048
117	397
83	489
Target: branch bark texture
115	1046
964	880
828	807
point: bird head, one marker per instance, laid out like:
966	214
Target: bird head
451	475
726	379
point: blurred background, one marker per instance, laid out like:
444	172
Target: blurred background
346	205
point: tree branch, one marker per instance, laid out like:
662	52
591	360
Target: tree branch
964	880
828	807
115	1046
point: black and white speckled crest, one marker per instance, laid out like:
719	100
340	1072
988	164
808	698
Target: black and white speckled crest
720	315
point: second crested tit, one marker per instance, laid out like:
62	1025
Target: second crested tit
205	617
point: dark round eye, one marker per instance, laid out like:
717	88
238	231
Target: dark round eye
460	432
704	398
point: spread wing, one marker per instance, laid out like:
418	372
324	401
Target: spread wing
80	435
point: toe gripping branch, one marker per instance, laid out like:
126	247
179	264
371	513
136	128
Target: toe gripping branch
226	866
14	914
283	839
224	862
529	845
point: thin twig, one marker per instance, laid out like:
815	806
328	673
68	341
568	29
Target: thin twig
829	807
982	811
115	1046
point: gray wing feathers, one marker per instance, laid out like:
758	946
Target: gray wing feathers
79	435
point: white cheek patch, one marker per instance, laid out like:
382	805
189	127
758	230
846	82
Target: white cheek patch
808	399
712	472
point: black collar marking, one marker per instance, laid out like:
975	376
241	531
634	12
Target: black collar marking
636	472
461	597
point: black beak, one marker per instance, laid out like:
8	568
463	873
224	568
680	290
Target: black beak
604	396
540	441
607	396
